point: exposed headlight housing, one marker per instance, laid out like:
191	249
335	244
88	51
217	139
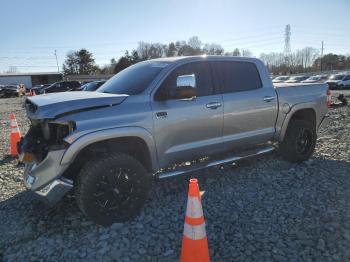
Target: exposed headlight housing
55	132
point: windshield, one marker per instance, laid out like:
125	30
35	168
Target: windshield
134	79
336	77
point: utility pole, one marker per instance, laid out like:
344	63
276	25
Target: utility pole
58	68
321	54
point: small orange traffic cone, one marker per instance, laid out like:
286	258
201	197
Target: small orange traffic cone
15	135
194	241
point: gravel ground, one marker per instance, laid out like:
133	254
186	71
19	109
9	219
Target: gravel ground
261	209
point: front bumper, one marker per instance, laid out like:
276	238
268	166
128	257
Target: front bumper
45	178
54	191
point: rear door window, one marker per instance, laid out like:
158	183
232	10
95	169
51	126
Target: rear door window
238	76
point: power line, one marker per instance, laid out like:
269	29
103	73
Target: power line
31	66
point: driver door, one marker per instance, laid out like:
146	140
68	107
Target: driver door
187	129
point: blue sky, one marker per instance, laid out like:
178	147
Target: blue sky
30	30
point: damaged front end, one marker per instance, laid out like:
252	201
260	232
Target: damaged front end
44	145
42	149
42	137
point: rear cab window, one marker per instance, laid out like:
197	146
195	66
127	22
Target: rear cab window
236	76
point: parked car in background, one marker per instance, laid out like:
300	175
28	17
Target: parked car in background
85	82
315	79
9	91
296	79
339	81
62	86
41	86
37	88
280	79
92	86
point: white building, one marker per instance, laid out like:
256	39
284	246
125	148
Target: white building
30	79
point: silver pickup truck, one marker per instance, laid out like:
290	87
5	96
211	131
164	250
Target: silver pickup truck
151	118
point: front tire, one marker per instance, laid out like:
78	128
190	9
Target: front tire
299	142
112	188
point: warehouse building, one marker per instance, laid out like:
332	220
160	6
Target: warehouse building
30	79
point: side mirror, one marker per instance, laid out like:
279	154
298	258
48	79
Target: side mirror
185	87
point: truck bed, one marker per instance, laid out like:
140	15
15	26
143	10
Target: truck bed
300	95
281	85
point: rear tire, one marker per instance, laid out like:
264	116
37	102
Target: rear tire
299	142
112	188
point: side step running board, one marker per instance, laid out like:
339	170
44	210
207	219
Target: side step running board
200	166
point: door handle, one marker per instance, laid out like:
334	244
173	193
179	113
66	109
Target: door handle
268	98
213	105
161	115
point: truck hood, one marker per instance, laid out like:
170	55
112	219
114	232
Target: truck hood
56	104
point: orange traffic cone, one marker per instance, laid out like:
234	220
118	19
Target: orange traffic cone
194	241
15	135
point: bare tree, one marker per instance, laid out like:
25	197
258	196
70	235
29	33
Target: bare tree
194	42
213	49
246	52
12	70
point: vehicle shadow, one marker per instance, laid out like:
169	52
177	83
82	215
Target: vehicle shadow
6	159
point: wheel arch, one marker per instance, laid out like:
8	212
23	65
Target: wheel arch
299	112
135	141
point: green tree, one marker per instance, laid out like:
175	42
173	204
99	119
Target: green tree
135	57
80	63
171	50
331	62
236	52
123	62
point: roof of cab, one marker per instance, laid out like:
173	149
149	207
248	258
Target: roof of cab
204	57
